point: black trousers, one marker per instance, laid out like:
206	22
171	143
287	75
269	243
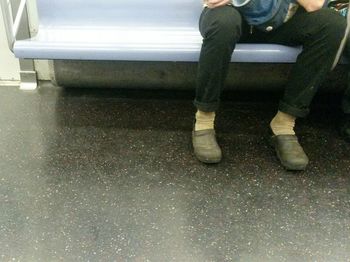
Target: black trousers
319	32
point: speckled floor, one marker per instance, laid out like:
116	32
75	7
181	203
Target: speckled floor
92	175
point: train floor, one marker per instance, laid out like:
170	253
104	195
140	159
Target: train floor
109	175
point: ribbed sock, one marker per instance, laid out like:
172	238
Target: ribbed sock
204	120
283	124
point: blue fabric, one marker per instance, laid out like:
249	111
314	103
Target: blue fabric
338	6
257	12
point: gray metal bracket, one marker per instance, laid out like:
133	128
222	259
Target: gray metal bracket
28	75
27	68
28	81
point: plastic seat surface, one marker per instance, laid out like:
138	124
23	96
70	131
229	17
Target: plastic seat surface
134	30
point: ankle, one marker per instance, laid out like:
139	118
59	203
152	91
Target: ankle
283	124
204	120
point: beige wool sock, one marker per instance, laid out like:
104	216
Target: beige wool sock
204	120
283	124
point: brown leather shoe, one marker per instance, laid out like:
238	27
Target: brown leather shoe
206	147
290	152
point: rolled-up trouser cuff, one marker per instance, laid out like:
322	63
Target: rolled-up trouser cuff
291	110
206	107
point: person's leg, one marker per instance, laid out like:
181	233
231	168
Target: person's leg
221	30
345	125
320	34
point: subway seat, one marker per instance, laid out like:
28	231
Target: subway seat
133	30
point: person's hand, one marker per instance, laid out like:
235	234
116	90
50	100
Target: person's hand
216	3
311	5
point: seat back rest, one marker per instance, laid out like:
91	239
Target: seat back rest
120	13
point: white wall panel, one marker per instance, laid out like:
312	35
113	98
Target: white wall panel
9	66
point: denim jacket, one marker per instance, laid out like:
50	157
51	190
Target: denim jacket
265	15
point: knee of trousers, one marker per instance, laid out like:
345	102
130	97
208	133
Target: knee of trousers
333	29
225	25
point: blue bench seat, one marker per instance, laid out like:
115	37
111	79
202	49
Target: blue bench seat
134	30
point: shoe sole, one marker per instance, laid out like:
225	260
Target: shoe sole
209	161
287	166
